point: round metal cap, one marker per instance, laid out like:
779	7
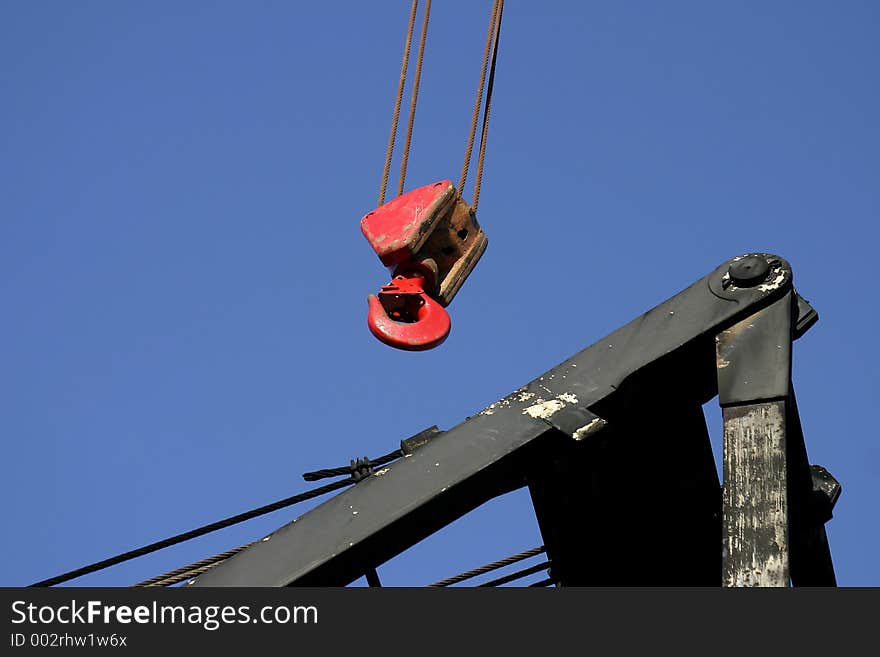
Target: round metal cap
749	271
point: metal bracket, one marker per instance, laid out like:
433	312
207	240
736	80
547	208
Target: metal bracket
771	537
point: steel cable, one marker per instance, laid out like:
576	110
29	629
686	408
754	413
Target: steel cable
544	582
194	533
489	86
495	565
348	470
396	114
185	572
469	149
518	574
415	94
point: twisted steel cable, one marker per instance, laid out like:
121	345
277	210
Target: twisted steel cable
193	569
519	574
495	565
412	106
396	114
481	157
194	533
469	149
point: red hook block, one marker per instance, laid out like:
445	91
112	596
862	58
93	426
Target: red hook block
432	239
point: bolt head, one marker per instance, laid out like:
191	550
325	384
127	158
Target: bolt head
749	271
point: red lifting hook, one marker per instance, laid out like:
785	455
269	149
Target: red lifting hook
404	316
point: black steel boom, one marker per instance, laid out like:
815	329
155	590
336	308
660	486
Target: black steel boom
614	449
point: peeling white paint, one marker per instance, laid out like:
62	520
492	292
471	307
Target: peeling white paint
490	409
541	408
589	428
720	361
545	409
756	498
379	473
775	283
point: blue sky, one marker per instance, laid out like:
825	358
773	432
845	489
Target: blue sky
184	280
